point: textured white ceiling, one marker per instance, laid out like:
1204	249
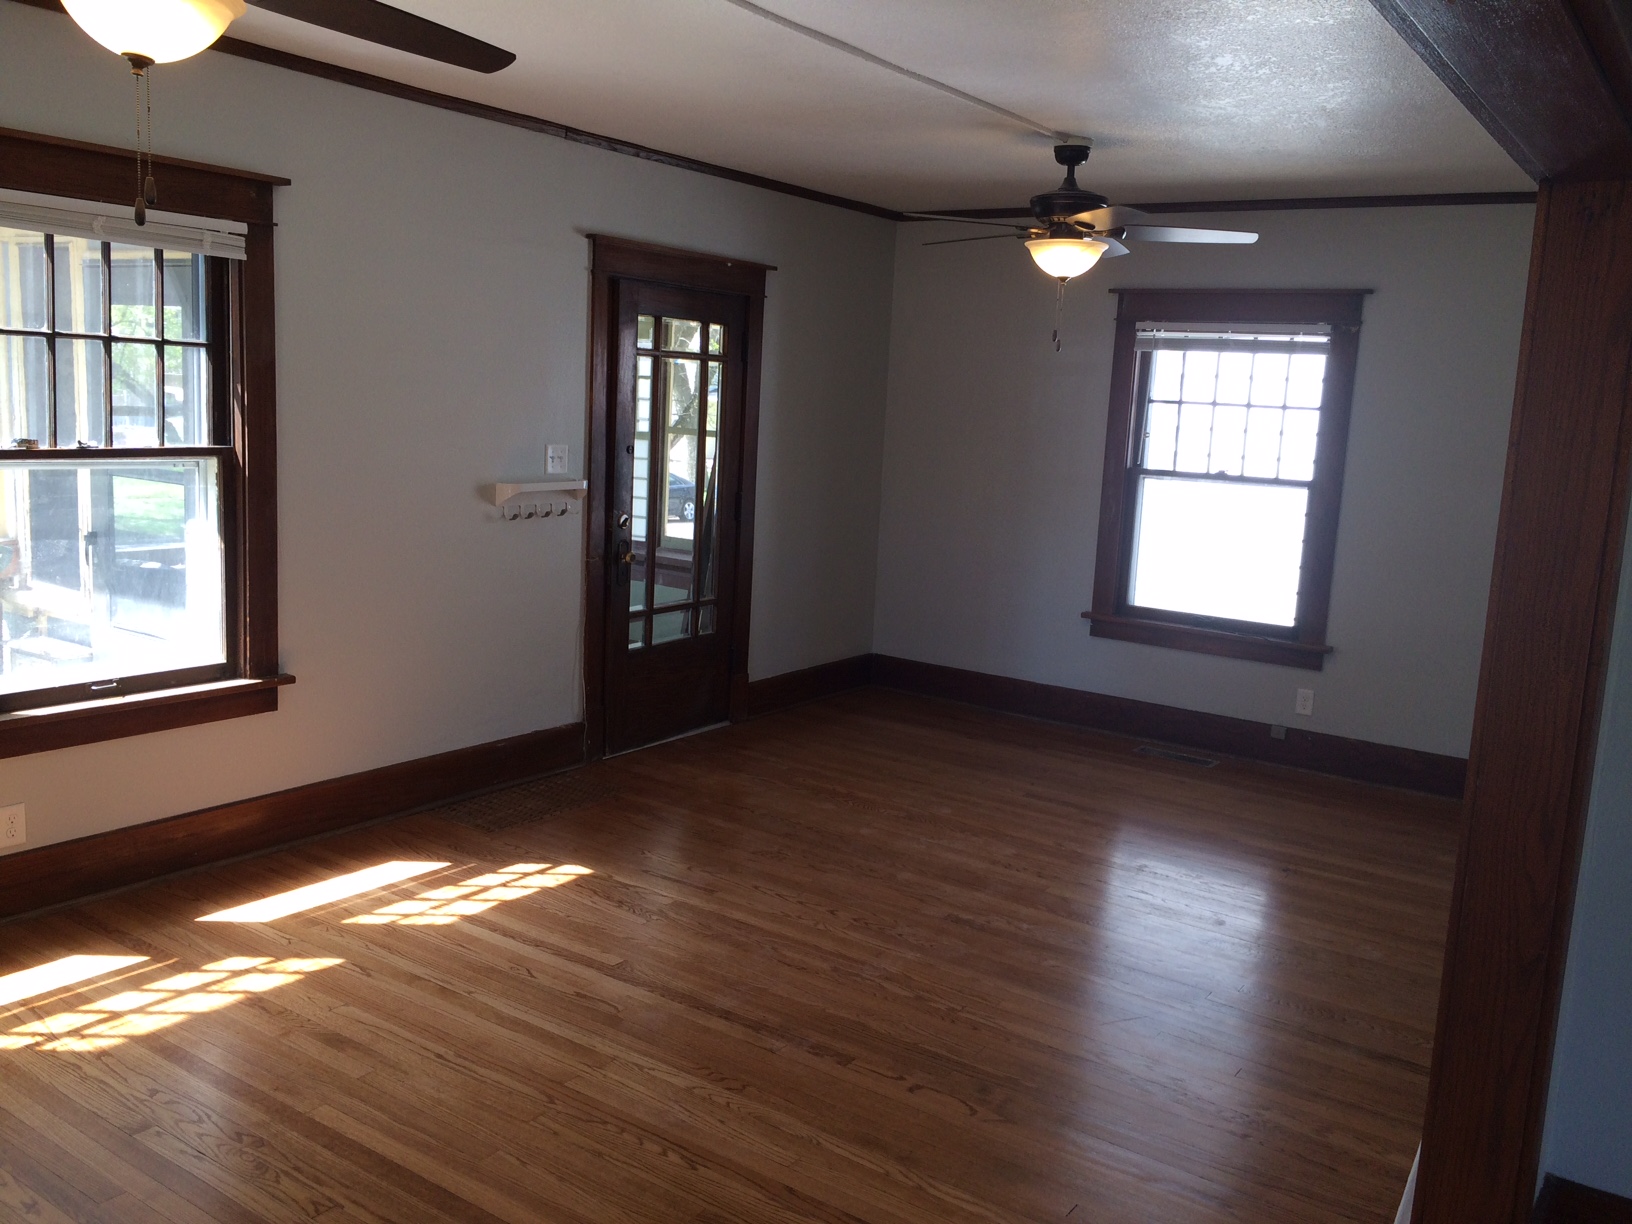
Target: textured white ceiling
1183	99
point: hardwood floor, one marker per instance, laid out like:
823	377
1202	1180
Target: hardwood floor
875	959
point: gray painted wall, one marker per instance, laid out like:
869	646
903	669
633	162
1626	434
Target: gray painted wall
993	445
432	338
1589	1113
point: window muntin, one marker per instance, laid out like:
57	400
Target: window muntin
114	475
1224	459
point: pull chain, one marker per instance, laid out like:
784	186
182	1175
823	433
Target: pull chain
147	192
1059	312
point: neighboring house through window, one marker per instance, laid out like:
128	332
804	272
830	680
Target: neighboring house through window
1224	471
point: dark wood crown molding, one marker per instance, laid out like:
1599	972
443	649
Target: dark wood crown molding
1444	199
532	123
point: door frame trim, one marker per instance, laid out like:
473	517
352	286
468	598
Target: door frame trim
613	258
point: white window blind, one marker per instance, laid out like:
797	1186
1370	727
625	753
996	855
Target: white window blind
113	223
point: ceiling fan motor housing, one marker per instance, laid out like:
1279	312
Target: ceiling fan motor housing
1068	200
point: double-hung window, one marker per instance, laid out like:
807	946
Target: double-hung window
131	473
1224	471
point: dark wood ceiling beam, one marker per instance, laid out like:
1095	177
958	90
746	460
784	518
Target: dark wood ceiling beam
1536	73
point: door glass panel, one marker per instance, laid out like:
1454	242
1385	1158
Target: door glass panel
644	331
705	619
716	338
670	626
682	335
637	632
641	475
81	393
81	286
135	302
682	376
709	482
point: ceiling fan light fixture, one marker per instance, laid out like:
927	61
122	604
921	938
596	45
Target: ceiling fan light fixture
161	31
1065	258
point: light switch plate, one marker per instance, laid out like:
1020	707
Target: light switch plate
13	827
555	459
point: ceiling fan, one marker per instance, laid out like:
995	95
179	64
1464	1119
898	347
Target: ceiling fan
1072	229
148	32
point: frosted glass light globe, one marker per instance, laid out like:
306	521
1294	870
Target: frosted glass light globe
1064	258
160	30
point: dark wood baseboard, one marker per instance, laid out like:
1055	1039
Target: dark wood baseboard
1566	1202
69	871
1239	737
810	684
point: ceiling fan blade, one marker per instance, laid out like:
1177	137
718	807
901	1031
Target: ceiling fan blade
1167	233
1114	248
978	238
1109	218
379	23
966	220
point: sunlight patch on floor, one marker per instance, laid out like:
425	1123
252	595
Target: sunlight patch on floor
443	906
57	974
325	892
158	1005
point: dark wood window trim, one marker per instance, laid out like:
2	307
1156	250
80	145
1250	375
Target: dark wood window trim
50	165
613	259
1112	615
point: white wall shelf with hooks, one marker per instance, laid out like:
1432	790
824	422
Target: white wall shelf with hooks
545	499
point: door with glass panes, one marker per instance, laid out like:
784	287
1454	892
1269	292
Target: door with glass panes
672	511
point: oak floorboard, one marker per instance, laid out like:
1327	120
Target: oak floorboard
877	959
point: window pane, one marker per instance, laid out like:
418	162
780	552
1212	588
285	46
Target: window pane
1306	380
1165	375
1298	445
25	392
1200	371
639	499
1161	436
1269	379
1229	439
82	393
117	571
135	305
22	279
637	632
671	626
81	286
644	326
1263	442
1214	549
186	396
716	338
183	296
705	619
135	394
1234	378
1195	437
683	335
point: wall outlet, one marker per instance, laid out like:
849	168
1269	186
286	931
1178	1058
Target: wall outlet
555	459
13	827
1305	704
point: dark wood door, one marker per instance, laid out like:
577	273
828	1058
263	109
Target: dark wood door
675	474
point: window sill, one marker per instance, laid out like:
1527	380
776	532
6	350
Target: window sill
88	722
1209	641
